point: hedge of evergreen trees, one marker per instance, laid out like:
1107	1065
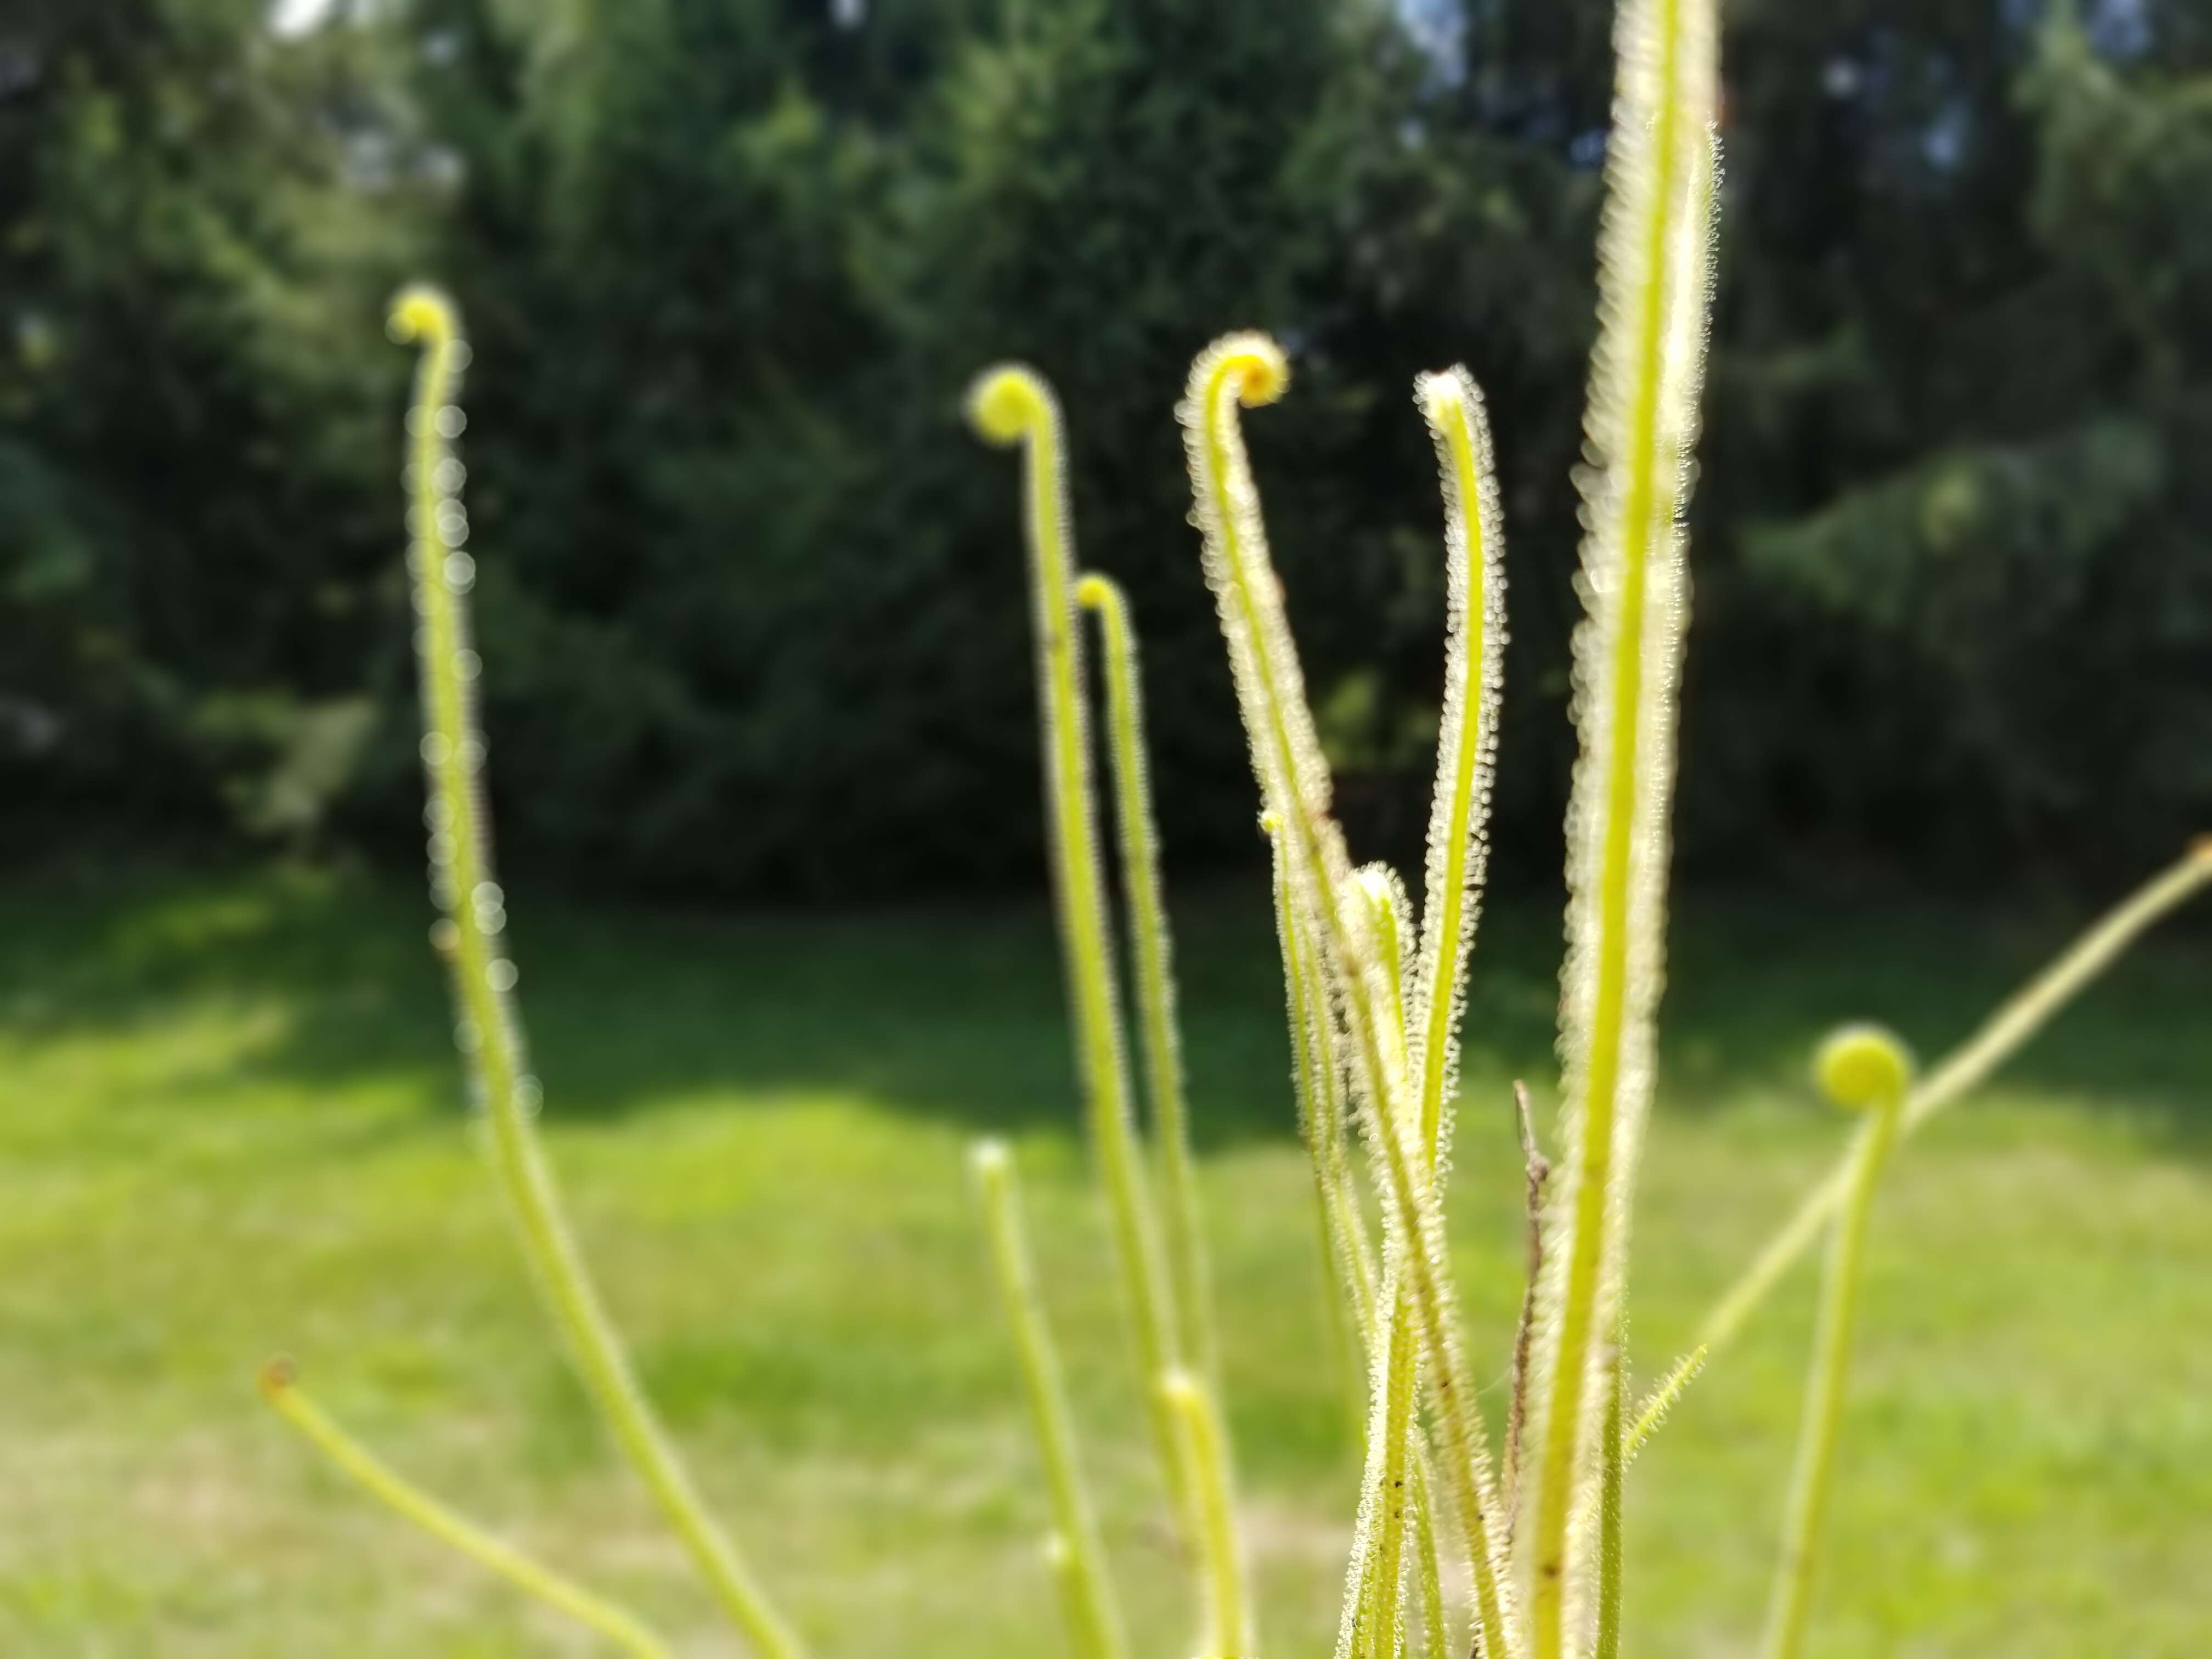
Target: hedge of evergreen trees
751	600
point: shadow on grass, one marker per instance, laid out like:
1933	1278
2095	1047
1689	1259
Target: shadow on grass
955	1010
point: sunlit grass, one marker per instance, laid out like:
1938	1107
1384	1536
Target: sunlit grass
230	1122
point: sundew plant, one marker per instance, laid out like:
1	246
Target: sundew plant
1528	1530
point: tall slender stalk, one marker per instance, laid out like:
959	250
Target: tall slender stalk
1245	370
1662	1401
1613	1457
488	1032
1152	952
1654	268
1346	1258
1012	405
280	1388
1221	1550
1375	1578
1967	1068
1077	1554
1863	1069
1466	738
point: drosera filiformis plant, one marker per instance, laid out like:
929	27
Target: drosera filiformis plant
1865	1069
1373	994
1012	406
472	936
1073	1547
1654	262
1151	959
280	1386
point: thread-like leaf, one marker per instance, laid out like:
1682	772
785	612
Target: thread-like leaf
1538	1173
1244	370
280	1388
1467	737
1390	919
1428	1559
1968	1067
1654	265
1662	1401
1206	1451
1866	1069
1372	1626
1612	1458
1373	1620
1151	961
1074	1549
1012	405
488	1031
1347	1257
1374	1623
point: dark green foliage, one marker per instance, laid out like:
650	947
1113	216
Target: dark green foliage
197	227
751	597
1967	613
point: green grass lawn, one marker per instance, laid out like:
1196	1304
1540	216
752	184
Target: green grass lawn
229	1123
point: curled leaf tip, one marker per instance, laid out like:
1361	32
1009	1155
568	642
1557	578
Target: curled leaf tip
2200	850
1253	364
278	1372
1094	593
1008	403
420	312
1864	1066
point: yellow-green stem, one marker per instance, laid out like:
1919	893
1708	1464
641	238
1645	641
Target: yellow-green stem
1377	1569
1087	1588
1662	1400
488	1034
1151	951
1657	188
1967	1068
1427	1560
1250	369
1228	1610
393	1490
1824	1390
1012	405
1468	732
1345	1254
1612	1457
